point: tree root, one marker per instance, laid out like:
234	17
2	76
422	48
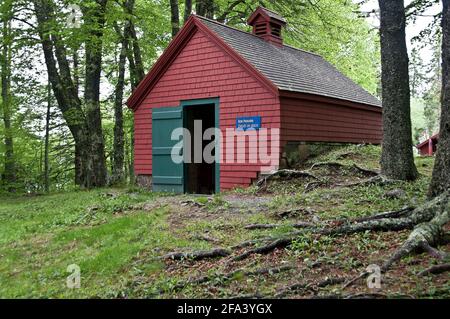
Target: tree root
376	180
438	269
313	185
394	214
309	286
261	226
271	226
433	252
278	243
294	212
289	173
365	171
420	215
435	214
207	238
286	173
229	276
198	255
376	225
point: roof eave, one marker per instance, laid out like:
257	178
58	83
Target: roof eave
330	99
176	46
435	137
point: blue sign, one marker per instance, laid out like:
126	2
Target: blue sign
248	123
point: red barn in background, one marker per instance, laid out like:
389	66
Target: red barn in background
228	78
429	146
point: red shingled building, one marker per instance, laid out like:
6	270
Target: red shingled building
222	75
429	146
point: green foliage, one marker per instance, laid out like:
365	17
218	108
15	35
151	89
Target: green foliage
329	28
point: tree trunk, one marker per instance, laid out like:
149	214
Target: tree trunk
187	9
175	17
397	160
205	8
47	140
441	173
84	125
9	174
134	54
118	152
137	74
76	75
96	171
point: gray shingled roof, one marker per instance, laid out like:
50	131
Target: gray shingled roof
292	69
273	14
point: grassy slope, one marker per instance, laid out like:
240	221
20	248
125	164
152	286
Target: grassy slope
115	237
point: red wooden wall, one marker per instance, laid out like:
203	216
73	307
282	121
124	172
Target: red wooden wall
203	70
324	121
428	148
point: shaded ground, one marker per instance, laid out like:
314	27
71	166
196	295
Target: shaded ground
117	237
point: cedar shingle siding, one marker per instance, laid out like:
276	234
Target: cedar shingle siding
296	91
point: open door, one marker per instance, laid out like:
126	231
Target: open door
167	175
200	177
203	177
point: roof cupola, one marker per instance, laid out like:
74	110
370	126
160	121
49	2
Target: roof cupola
267	25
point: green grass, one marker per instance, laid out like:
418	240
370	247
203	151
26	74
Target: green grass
41	236
115	236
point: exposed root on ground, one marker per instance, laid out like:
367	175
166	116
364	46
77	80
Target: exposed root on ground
430	217
224	277
430	220
286	173
375	177
376	180
360	169
438	269
394	214
271	226
309	286
426	222
198	255
294	212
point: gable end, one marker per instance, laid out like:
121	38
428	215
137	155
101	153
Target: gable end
173	50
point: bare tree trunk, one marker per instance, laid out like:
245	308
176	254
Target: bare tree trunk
441	173
118	151
85	126
137	74
76	75
5	65
187	9
397	160
175	17
94	17
205	8
47	140
134	54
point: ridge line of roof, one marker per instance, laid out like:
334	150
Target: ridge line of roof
248	33
278	16
375	103
270	10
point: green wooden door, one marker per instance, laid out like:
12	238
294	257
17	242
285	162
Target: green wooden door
167	175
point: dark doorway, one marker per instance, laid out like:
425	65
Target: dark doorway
200	177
